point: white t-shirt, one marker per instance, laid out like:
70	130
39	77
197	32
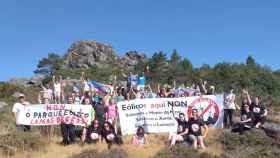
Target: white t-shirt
57	87
229	101
17	108
86	86
47	93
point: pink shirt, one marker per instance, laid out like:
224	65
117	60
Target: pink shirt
112	111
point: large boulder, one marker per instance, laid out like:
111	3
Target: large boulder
36	79
131	59
272	130
85	54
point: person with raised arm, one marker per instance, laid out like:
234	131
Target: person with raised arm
195	130
247	120
182	132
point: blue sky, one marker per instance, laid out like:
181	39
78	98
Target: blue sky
205	31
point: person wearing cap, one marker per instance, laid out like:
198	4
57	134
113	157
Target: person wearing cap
195	130
17	108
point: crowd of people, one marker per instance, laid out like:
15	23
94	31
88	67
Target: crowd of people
104	98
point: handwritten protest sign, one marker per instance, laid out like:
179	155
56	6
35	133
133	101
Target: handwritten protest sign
55	114
156	115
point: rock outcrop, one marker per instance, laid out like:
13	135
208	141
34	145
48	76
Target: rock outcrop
85	54
131	59
19	81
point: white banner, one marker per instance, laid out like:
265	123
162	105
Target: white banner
156	116
55	114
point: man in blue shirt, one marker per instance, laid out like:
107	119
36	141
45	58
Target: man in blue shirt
141	81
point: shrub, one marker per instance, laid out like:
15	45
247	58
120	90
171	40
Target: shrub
252	144
21	141
182	151
87	154
113	153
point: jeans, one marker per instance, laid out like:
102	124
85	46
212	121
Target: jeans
24	128
68	133
228	114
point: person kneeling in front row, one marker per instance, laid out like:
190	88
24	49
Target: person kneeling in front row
194	129
110	136
140	138
92	134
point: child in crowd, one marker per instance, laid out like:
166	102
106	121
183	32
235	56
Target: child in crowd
140	138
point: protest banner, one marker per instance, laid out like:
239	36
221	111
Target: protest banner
55	114
156	114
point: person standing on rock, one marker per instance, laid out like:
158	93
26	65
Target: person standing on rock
17	109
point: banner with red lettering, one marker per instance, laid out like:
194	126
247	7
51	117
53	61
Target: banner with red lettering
55	114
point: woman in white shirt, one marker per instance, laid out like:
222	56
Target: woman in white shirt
57	90
229	107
